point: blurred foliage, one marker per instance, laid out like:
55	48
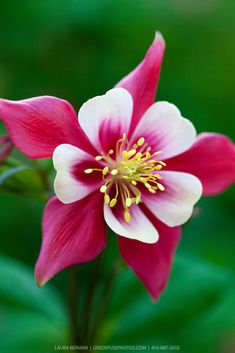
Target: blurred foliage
196	311
18	178
31	320
76	49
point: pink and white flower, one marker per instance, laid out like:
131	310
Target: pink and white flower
127	161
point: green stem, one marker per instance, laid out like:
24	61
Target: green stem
73	295
84	330
105	301
90	299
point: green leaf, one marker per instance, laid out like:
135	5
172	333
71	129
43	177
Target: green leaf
21	179
195	290
28	332
18	289
35	317
11	172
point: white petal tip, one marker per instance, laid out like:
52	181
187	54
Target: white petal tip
142	239
118	91
151	241
65	194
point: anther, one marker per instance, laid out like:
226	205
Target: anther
105	170
138	155
88	171
162	163
113	202
98	158
128	202
137	199
114	172
158	176
131	153
103	188
106	199
141	141
160	187
152	191
125	154
127	216
156	153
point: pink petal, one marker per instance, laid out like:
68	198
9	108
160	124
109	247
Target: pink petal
105	118
6	147
165	129
72	234
211	159
71	183
174	205
38	125
152	262
139	227
142	81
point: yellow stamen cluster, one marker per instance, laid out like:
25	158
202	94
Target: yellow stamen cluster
130	167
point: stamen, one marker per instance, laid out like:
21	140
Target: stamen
128	202
131	153
158	167
122	142
160	187
98	158
127	216
137	199
131	166
105	170
162	163
113	202
158	176
156	153
114	172
141	141
103	188
152	191
106	199
88	171
125	154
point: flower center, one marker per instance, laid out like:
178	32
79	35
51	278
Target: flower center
126	170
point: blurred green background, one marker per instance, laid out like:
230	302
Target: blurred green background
76	49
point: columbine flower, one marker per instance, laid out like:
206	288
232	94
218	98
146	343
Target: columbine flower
135	164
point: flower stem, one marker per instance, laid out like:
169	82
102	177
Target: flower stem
105	301
90	298
73	295
85	328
